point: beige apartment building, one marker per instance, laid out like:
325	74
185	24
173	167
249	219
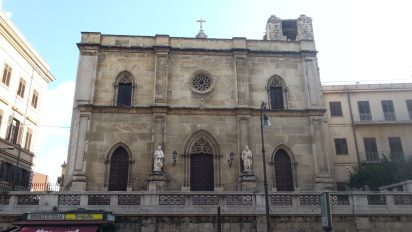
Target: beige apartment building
23	83
367	122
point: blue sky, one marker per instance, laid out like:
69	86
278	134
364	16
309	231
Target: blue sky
367	41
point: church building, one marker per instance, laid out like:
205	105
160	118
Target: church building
165	113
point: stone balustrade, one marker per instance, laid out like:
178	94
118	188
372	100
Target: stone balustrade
206	203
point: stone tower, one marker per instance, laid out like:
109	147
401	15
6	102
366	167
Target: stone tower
290	29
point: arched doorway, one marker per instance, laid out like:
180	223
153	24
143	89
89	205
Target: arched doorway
201	172
119	169
283	171
202	163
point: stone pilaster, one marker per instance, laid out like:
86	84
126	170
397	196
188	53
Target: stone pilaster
157	180
240	58
304	28
161	68
313	82
247	179
159	130
323	179
244	131
85	81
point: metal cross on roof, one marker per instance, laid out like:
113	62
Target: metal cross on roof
201	20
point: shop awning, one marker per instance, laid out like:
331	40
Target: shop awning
59	229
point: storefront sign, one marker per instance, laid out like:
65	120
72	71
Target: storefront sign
69	217
83	216
59	229
45	216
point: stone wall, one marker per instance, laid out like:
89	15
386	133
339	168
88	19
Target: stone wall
240	211
251	223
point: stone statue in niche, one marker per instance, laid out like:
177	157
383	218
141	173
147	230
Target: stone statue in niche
247	159
158	157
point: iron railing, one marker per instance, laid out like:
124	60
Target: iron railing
35	187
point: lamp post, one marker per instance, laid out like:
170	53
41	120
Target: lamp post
264	123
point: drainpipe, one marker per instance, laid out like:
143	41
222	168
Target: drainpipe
353	126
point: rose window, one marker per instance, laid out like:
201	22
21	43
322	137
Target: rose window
201	82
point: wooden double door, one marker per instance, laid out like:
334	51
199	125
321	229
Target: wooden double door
201	172
119	169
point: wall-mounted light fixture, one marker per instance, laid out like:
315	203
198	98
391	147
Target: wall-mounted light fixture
174	154
231	158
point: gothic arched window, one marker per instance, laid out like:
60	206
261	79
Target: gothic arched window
119	169
124	89
276	91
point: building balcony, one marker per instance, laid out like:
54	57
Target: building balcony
206	203
376	157
385	118
17	153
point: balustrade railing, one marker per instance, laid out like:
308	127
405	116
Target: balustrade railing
230	202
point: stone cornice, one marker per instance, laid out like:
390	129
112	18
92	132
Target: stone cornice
86	47
197	111
16	39
143	43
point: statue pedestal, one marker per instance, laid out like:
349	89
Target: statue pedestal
157	181
323	183
247	181
79	182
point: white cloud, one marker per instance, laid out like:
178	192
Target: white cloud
7	13
54	131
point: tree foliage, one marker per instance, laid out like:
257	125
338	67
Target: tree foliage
374	175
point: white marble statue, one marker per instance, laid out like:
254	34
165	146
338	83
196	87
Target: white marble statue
158	157
247	159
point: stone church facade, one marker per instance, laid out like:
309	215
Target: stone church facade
202	101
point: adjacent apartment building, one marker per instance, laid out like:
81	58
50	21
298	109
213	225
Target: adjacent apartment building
368	122
23	83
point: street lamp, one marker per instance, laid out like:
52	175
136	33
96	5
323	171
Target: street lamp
264	123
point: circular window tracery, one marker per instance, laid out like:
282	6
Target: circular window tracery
201	82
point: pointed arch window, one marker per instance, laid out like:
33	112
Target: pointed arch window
276	92
124	89
119	170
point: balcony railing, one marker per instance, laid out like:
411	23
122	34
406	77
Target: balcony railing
365	117
36	187
372	157
206	203
387	117
375	157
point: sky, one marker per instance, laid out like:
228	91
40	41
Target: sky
365	41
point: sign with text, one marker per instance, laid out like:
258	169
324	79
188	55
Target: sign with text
59	229
75	216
